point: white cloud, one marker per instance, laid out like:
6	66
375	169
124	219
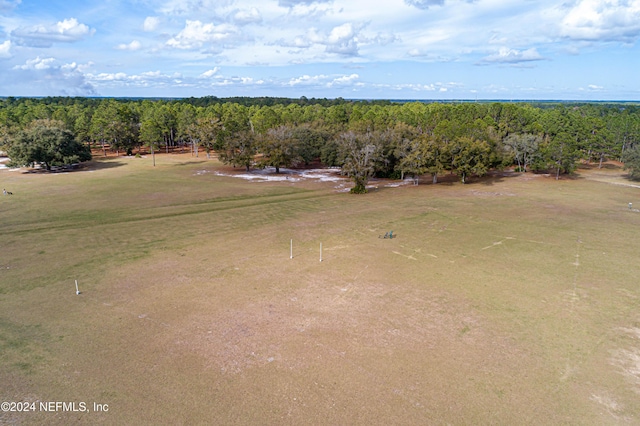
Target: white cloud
384	38
513	56
210	73
341	33
148	79
323	80
293	3
6	5
134	45
45	74
311	11
244	17
418	87
428	56
304	46
603	20
36	64
424	4
298	42
73	66
109	76
150	23
66	31
193	8
311	84
344	80
302	32
5	49
342	39
235	82
195	35
307	80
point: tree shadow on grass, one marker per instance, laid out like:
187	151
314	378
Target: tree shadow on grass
608	165
491	178
443	180
569	176
102	164
195	161
92	165
632	180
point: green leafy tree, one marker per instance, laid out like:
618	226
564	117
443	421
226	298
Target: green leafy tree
330	154
104	122
264	119
210	129
414	114
337	116
165	119
116	124
393	144
599	142
279	148
187	127
235	118
561	153
624	129
7	130
150	132
128	130
560	148
82	126
522	148
631	159
46	142
413	161
238	150
360	154
434	156
470	156
310	141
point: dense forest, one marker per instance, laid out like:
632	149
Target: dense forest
365	138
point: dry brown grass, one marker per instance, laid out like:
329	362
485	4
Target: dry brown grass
512	300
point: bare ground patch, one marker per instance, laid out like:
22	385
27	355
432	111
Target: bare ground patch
333	320
627	358
360	330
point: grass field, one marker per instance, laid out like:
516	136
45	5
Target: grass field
511	300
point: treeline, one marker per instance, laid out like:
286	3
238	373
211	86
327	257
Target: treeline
201	102
365	138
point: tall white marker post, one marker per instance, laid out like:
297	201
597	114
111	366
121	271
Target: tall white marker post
77	291
320	252
291	250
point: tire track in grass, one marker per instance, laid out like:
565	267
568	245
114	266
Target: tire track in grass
88	220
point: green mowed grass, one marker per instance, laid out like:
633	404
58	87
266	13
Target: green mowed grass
510	300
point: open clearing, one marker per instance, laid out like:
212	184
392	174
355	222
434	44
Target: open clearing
510	300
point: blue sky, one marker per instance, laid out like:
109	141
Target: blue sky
365	49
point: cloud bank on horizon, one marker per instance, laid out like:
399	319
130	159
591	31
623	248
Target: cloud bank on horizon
391	49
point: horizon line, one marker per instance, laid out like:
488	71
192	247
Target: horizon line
395	100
